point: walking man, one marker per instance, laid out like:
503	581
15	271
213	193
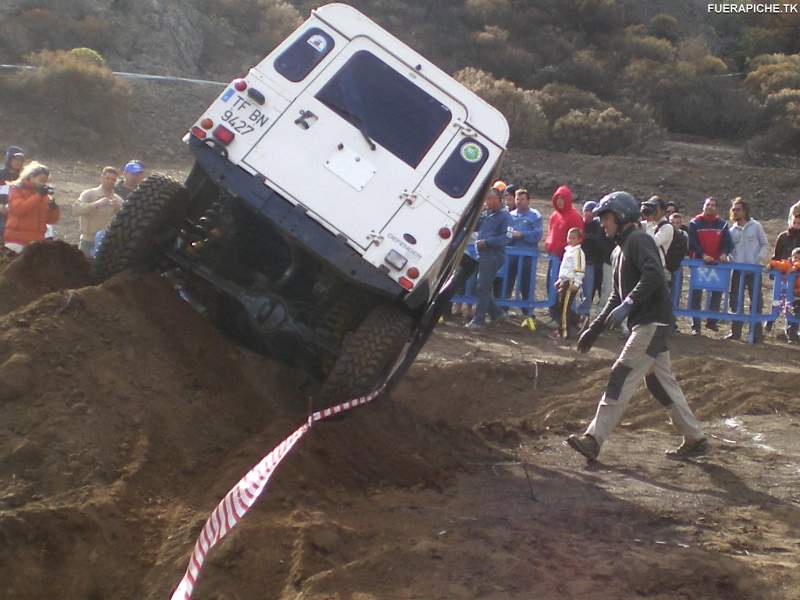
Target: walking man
640	295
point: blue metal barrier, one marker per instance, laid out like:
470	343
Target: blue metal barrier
783	296
718	277
511	290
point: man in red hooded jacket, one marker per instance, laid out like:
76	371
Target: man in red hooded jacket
562	219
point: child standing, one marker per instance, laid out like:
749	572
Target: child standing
787	266
569	282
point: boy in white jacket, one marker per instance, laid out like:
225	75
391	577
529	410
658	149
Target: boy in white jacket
568	285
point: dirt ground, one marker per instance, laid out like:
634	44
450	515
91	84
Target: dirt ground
125	417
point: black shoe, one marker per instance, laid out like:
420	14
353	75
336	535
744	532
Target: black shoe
712	326
585	444
687	449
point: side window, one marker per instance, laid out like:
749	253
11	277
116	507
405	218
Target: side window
461	167
299	59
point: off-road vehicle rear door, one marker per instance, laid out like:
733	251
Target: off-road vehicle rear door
357	140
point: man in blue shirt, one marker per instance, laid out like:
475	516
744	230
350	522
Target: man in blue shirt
493	236
528	229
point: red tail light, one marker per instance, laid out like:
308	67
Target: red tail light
206	123
445	233
413	272
240	85
406	283
198	132
223	135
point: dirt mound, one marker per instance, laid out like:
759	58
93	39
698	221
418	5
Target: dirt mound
41	268
127	417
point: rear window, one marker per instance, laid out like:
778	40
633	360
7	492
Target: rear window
386	106
462	166
299	59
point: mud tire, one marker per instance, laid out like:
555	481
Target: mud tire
148	218
366	355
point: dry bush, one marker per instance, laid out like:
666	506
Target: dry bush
529	126
774	81
481	12
594	131
648	47
84	101
773	73
38	28
267	22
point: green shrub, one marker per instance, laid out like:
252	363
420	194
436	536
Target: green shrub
665	26
558	99
529	126
594	131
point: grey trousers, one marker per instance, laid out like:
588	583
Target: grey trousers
645	356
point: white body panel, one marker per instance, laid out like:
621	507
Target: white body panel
372	197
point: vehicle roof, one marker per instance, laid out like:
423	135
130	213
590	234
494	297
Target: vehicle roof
482	116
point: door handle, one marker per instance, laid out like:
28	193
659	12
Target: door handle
304	117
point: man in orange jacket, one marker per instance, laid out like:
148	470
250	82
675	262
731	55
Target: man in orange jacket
31	208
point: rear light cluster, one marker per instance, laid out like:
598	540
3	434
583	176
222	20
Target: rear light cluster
223	134
239	85
445	233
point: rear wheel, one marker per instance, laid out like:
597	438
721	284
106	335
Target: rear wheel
367	354
148	219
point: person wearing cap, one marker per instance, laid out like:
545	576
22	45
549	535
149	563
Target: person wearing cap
132	175
96	207
12	167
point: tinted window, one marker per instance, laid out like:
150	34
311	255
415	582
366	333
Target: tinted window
461	168
386	106
299	59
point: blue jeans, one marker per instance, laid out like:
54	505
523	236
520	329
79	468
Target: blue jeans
488	266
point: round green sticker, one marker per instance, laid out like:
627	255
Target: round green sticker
471	152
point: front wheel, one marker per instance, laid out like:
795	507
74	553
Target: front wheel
367	355
148	219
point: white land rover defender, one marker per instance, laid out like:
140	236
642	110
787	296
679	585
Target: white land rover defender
334	189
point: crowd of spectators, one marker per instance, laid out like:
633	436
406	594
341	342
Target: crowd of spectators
28	208
580	244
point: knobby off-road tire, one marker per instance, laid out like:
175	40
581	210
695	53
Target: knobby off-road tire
366	355
149	216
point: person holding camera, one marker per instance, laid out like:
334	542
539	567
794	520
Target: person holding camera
31	207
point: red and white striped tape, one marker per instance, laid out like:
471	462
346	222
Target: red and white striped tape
243	495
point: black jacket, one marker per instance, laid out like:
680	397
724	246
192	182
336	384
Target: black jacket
596	245
638	275
786	242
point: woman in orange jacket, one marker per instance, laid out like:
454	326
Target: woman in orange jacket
785	267
31	208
